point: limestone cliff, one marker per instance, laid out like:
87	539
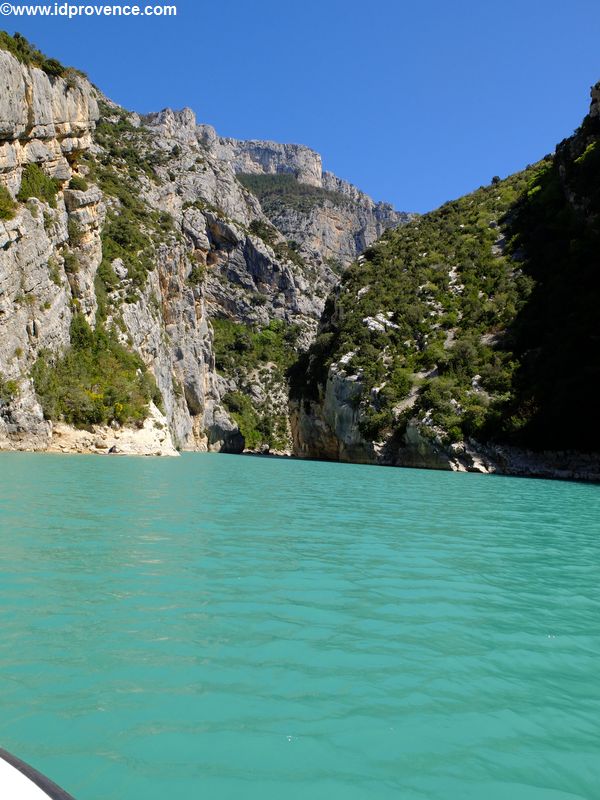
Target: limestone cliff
263	157
43	119
48	122
340	223
139	228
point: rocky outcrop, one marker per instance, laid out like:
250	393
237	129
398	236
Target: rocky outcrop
22	423
265	158
241	266
153	438
44	120
197	174
220	269
49	256
382	213
337	228
329	430
595	100
334	231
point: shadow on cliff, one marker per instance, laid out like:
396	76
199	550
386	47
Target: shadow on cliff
555	230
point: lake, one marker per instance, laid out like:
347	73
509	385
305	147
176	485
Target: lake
233	627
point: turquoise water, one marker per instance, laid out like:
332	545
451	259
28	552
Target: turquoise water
229	627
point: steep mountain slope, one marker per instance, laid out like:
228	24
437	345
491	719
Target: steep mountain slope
145	295
470	332
329	219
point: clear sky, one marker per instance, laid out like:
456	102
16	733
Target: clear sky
415	101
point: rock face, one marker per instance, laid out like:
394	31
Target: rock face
149	233
47	122
221	271
152	439
43	120
339	227
595	102
265	158
330	429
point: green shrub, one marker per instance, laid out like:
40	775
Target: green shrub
27	53
79	183
286	251
75	232
374	424
35	183
266	232
397	387
240	348
335	265
463	357
7	204
9	389
197	274
71	263
95	382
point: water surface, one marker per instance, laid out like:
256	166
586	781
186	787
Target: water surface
230	627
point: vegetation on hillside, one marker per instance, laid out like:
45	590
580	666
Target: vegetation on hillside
439	280
7	204
251	356
35	183
479	318
97	381
275	191
28	53
132	231
556	230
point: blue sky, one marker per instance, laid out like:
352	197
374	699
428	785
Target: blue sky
416	102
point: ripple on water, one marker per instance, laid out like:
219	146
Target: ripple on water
233	627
